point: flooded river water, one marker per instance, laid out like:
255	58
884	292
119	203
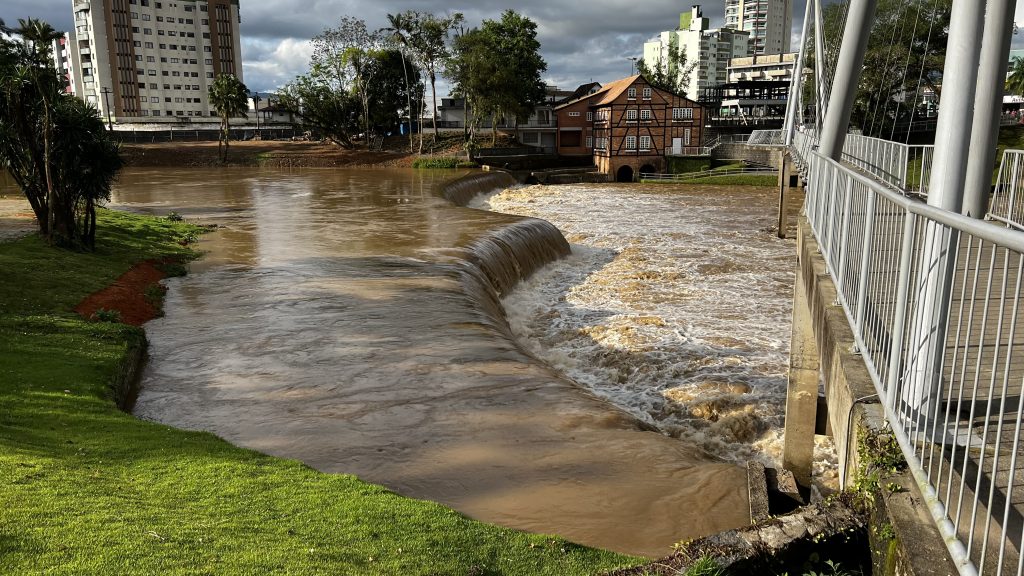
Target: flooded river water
350	319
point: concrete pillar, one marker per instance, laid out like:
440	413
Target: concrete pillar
802	393
785	175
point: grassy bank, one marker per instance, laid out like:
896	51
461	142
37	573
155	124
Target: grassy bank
87	489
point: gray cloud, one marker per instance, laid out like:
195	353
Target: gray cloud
578	45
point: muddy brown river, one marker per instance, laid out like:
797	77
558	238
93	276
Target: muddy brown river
351	319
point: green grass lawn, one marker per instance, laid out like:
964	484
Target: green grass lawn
87	489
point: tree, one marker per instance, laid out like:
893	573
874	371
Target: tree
400	29
1015	79
430	41
497	68
672	75
332	113
71	171
231	99
904	60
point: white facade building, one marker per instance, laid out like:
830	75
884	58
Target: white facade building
144	61
710	48
769	22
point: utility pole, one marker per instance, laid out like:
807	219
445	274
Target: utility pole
256	104
632	64
106	104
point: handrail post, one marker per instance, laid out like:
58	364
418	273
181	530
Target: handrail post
869	231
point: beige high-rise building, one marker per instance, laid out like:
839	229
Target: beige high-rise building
768	21
152	61
710	49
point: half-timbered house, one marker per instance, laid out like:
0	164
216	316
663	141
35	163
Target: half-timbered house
629	127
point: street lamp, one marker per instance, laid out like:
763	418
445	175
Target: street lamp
632	64
106	100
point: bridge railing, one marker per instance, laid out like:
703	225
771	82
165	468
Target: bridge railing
1008	201
902	166
947	364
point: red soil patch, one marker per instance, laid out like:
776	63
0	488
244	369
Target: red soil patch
127	295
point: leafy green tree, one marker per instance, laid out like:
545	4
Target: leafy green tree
672	75
430	43
904	59
66	175
331	113
399	31
1015	79
498	68
230	98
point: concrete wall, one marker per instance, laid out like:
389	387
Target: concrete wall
756	154
823	346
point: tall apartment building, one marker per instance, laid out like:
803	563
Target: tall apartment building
710	48
149	61
769	22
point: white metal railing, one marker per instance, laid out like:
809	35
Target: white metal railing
905	168
933	299
767	138
902	166
1008	202
689	176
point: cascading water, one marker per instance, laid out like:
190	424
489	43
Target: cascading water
675	306
351	319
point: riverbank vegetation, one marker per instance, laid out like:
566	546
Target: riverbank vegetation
88	489
53	144
442	162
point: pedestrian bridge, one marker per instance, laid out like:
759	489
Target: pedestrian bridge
947	368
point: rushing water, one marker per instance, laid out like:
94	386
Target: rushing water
675	306
351	320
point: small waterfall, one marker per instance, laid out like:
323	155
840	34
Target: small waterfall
507	254
461	190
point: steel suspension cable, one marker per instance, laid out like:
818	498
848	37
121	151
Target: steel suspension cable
906	68
920	76
885	71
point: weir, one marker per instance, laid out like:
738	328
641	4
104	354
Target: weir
356	326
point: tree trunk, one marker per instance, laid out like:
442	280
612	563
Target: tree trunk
433	96
408	98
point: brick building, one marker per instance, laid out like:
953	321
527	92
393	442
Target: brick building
628	127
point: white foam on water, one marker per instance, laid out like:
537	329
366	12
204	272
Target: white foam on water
675	305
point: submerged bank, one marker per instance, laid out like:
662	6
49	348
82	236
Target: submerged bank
89	489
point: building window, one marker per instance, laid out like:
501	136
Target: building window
647	92
686	137
590	118
631	114
630	142
631	93
574	114
590	142
645	114
645	143
682	113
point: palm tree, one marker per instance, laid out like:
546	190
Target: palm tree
431	44
38	36
401	27
1015	79
231	98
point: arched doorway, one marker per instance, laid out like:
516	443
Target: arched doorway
648	169
624	174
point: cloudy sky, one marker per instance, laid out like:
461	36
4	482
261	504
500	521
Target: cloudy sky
579	45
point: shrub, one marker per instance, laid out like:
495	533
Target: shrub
174	217
441	162
104	315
